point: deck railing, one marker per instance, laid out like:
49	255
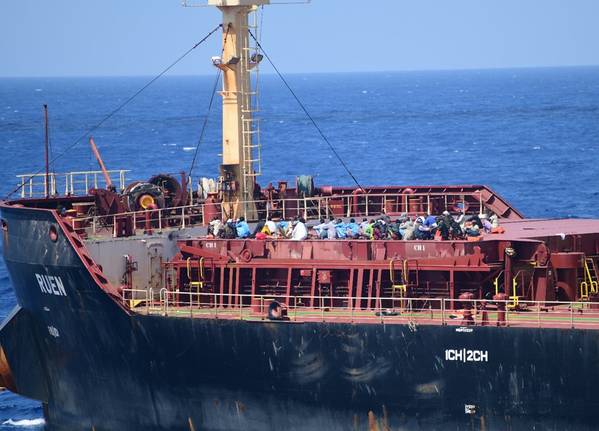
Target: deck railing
67	184
313	208
408	311
142	221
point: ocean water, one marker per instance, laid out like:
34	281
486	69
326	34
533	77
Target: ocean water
531	134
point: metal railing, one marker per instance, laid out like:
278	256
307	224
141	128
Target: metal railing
68	184
371	204
410	311
160	220
313	208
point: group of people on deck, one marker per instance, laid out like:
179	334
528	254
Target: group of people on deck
426	227
294	229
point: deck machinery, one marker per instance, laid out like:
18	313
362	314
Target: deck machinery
130	316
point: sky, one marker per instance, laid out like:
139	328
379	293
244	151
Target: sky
134	37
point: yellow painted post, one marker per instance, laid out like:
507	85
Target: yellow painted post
515	291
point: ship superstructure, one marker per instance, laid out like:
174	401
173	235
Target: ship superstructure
132	314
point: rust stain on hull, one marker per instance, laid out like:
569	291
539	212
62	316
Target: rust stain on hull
6	378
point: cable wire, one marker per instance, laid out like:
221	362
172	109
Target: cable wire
332	148
218	74
118	108
201	138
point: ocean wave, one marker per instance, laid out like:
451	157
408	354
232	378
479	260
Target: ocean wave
25	422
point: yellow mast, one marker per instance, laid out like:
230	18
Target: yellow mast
240	149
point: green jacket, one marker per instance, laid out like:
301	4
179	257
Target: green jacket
368	231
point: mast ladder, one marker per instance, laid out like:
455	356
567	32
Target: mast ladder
251	145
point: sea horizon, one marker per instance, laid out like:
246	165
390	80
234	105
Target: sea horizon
341	72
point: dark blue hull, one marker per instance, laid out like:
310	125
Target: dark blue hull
95	366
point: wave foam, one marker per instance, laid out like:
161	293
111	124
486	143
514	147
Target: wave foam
25	422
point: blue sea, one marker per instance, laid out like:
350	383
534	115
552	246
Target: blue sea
530	134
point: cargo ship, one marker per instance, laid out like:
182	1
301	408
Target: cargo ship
136	313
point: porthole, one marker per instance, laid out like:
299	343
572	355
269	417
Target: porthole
53	234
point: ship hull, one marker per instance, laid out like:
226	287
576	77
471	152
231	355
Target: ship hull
96	366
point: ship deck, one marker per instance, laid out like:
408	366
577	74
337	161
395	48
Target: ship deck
525	229
545	228
406	311
165	257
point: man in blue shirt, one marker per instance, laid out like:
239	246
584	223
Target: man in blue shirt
353	229
341	229
421	230
430	221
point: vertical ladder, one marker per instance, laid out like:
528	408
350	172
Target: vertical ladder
590	285
198	284
252	160
402	286
515	298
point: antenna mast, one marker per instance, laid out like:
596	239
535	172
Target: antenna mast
46	153
241	146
